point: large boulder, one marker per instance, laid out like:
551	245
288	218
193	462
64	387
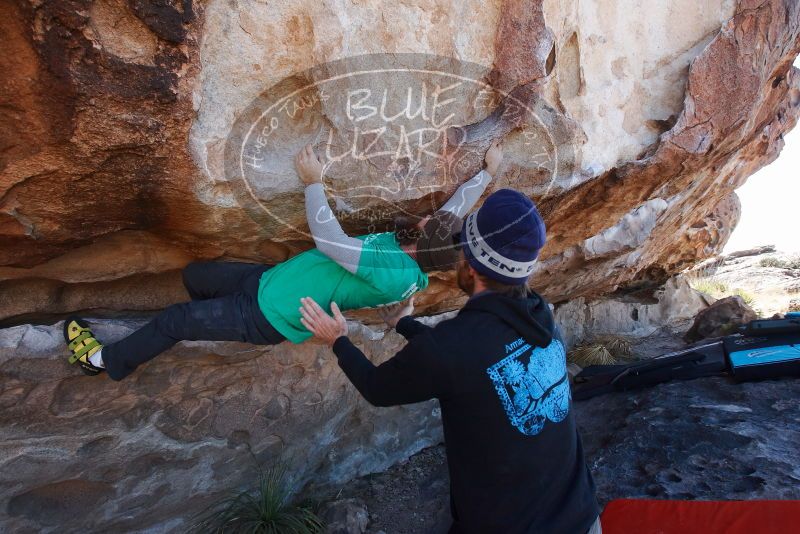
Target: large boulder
642	123
200	419
85	453
722	318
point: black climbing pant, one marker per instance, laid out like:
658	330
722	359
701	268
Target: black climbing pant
224	307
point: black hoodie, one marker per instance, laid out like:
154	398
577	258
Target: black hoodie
499	371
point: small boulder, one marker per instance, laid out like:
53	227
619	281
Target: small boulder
720	319
346	516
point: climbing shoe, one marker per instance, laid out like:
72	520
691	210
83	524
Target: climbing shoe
82	344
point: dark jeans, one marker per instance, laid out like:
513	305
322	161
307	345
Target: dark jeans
224	307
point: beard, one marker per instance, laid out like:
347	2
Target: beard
465	282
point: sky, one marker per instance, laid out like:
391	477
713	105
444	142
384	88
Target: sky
771	202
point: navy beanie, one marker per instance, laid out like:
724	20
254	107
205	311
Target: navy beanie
503	238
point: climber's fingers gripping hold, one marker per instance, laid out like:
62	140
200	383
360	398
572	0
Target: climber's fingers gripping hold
494	156
308	166
392	314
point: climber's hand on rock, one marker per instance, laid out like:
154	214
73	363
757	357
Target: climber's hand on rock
493	157
324	327
308	166
393	313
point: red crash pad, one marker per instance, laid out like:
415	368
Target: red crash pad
645	516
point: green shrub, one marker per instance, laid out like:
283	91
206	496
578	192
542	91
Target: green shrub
719	290
265	510
772	261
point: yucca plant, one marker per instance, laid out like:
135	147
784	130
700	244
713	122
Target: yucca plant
591	354
605	350
265	510
619	347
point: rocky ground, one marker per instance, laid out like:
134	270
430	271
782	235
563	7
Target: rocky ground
701	439
411	497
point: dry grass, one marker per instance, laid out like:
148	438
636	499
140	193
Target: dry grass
604	350
719	290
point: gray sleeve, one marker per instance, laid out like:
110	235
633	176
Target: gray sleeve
467	194
327	232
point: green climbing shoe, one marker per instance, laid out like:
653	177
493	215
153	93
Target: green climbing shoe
82	344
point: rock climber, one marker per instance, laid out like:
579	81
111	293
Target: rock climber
498	369
258	303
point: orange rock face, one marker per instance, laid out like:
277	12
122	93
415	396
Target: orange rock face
118	113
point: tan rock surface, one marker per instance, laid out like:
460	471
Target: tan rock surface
120	113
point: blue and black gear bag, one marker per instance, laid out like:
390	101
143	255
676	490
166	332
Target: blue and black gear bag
768	348
765	349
